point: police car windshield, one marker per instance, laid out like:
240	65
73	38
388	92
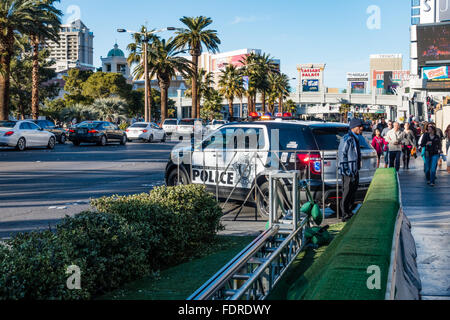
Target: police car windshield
328	138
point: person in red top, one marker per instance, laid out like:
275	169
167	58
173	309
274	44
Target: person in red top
379	144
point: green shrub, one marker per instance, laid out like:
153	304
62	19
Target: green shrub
175	221
33	266
110	248
107	250
125	239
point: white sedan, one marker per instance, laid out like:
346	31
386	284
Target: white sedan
25	134
146	131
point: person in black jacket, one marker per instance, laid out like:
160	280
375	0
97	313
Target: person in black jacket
433	150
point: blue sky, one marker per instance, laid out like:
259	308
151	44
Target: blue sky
294	31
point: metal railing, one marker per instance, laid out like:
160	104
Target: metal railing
255	271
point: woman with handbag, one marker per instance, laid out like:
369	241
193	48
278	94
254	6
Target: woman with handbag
432	145
408	143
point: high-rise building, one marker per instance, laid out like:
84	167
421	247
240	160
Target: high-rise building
75	48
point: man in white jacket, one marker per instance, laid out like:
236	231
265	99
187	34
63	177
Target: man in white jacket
395	137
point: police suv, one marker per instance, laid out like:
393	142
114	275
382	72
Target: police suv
234	162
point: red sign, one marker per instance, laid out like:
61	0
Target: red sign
311	73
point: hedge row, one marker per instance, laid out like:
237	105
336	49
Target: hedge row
123	240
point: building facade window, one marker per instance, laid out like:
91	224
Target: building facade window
415	21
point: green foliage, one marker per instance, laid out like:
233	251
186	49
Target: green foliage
212	106
21	78
175	221
111	250
74	87
104	85
139	234
33	266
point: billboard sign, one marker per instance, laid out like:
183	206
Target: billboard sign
427	11
311	73
433	43
310	85
444	10
436	73
387	81
358	87
219	64
357	76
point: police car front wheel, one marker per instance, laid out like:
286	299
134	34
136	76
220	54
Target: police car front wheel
176	178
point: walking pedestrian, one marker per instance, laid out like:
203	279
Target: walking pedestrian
433	149
349	166
380	145
409	142
447	138
394	138
383	134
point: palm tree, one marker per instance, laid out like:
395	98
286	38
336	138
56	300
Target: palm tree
17	18
194	38
78	111
264	67
136	56
249	70
279	88
204	83
110	109
165	65
231	86
47	21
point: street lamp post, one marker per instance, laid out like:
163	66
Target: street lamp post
146	40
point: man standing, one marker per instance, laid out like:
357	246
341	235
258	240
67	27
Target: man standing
395	138
349	166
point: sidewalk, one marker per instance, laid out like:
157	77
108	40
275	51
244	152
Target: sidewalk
428	209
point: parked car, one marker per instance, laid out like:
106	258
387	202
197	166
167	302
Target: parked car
190	127
49	126
216	124
145	131
231	159
99	132
25	134
170	126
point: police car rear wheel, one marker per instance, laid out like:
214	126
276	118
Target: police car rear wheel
262	200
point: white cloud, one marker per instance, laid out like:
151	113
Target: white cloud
249	19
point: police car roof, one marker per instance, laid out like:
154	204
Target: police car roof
288	123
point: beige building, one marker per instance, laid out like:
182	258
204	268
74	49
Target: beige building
75	48
385	62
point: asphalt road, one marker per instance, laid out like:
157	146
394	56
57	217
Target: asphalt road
38	187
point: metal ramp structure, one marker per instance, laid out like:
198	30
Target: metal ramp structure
256	270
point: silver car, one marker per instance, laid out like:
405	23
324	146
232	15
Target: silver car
25	134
